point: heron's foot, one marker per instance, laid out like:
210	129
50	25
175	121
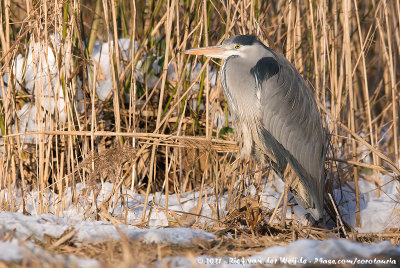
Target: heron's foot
320	223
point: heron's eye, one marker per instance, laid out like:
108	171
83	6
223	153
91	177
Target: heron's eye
237	46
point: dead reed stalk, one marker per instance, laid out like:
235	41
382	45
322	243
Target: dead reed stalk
52	116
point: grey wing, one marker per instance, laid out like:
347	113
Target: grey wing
291	116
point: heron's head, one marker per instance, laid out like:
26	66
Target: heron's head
239	45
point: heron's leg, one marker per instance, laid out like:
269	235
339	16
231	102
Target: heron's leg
289	177
285	203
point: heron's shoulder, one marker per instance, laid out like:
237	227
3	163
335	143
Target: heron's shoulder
279	57
265	68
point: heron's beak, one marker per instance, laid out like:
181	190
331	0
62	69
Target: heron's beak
215	52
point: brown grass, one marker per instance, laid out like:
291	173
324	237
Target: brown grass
347	50
122	253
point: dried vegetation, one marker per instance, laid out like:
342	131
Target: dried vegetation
165	138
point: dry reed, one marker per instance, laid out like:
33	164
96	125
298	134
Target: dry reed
347	50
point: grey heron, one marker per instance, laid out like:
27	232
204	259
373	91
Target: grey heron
275	116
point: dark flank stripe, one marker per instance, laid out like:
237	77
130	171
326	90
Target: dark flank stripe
265	69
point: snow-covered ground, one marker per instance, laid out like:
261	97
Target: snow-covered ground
378	214
16	251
